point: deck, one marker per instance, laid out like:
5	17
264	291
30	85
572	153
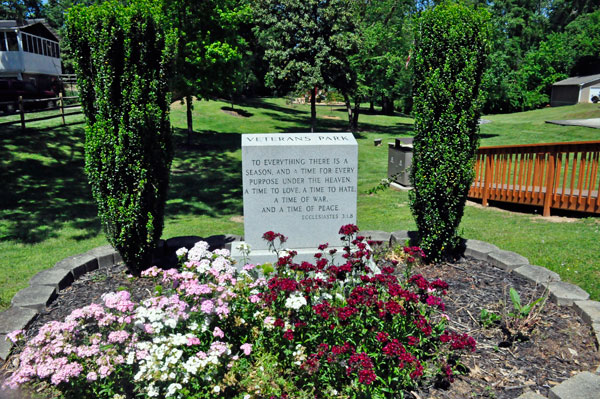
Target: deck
550	175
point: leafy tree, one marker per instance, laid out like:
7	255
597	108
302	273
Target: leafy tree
20	10
210	49
451	43
562	12
122	57
307	45
519	26
543	67
384	40
583	35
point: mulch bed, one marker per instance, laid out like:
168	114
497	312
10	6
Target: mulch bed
560	345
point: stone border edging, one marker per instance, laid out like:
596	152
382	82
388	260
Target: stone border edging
44	288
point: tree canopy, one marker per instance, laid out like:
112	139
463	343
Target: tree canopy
359	49
307	44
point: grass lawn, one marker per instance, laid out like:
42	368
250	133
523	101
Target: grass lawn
47	213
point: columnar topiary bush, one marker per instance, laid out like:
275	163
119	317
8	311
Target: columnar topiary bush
451	43
122	54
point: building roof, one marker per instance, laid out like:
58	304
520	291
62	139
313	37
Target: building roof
578	80
37	27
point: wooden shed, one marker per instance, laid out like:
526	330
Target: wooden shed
578	89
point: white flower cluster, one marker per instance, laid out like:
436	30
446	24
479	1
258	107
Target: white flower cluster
199	251
222	264
299	355
181	252
157	319
321	275
244	247
295	301
165	361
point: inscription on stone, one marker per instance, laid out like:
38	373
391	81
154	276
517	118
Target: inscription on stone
302	185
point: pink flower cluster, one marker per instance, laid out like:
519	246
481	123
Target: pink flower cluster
62	351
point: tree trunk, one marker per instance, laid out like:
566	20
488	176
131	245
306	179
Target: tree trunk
355	115
190	124
349	110
313	110
387	105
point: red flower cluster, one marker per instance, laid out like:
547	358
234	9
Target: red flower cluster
448	371
277	285
279	323
312	364
413	253
382	336
363	364
323	309
270	236
396	290
379	303
283	284
289	334
419	281
394	307
311	284
345	312
348	229
331	353
459	341
363	296
435	301
394	348
423	324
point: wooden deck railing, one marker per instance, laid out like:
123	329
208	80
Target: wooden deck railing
551	175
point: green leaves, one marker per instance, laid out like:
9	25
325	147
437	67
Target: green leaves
308	44
451	44
488	319
521	311
122	58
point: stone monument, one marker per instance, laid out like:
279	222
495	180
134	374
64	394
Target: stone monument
302	185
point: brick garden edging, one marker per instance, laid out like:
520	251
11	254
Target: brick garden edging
45	285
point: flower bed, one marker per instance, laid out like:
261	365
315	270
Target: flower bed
339	329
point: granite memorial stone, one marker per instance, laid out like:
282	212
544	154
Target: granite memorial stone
302	185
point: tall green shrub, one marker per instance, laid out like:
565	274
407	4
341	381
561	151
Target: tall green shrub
451	44
122	55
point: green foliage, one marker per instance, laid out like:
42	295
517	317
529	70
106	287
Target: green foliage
20	10
488	319
210	50
307	44
521	310
210	47
518	325
385	40
536	44
450	49
122	57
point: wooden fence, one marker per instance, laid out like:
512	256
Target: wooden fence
551	175
21	105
